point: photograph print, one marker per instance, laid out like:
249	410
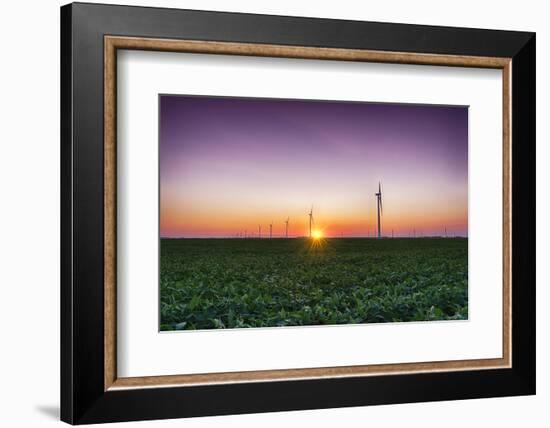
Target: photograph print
284	213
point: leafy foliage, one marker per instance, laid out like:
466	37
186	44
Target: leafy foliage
233	283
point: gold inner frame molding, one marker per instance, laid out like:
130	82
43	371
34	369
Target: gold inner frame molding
113	43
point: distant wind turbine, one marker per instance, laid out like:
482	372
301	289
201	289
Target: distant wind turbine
271	229
379	207
259	231
310	220
286	226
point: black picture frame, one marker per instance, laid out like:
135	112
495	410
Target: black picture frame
83	399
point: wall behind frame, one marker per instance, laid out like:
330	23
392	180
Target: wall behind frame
29	219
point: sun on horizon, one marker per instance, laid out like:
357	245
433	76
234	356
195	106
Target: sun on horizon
317	234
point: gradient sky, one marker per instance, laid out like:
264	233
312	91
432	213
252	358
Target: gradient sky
230	164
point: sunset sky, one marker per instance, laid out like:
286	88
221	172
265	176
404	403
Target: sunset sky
230	164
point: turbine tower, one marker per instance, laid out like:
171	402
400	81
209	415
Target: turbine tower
379	207
286	226
259	231
310	220
271	229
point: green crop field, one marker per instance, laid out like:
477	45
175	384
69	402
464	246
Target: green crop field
231	283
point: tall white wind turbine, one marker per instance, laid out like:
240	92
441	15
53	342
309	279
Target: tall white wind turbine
379	207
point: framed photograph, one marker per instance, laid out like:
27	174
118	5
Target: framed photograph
266	213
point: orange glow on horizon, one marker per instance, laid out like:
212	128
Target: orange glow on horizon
232	220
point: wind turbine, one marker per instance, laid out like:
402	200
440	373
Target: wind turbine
259	231
379	207
310	220
271	229
286	226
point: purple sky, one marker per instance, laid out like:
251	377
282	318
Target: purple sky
230	164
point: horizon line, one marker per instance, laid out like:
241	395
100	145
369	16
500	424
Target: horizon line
307	237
